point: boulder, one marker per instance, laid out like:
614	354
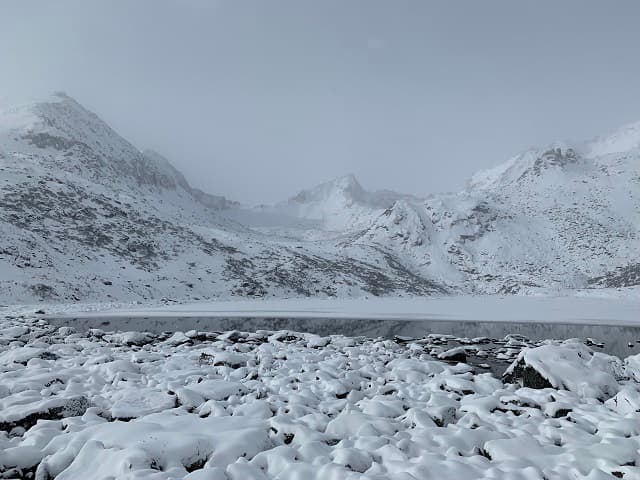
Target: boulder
457	354
568	365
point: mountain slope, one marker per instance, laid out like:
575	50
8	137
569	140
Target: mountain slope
326	211
84	215
553	218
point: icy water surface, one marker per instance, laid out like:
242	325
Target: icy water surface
621	341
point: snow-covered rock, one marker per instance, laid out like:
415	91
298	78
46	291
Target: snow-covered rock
632	367
457	354
568	365
626	401
157	411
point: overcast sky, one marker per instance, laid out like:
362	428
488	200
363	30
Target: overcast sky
256	99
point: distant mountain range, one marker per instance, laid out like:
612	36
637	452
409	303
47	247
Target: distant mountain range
86	216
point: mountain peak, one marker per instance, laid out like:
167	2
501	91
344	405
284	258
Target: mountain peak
346	187
530	164
621	140
64	135
347	182
57	121
557	157
31	113
341	203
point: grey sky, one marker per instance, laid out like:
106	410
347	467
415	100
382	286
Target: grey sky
256	99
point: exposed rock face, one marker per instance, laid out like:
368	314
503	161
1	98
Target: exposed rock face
628	276
526	376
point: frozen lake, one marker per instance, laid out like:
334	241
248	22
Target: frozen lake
612	321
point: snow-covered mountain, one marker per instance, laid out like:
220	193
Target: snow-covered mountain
85	215
328	211
561	217
339	204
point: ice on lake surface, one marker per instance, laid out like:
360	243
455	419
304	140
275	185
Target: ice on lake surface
608	324
611	321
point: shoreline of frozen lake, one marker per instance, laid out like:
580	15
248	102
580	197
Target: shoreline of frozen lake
614	321
589	310
618	340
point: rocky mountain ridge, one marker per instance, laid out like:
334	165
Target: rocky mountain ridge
86	216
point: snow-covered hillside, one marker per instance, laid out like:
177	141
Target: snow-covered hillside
554	218
86	216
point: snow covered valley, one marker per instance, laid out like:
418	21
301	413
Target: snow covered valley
285	405
159	337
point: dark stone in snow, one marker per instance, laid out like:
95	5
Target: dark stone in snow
526	376
72	407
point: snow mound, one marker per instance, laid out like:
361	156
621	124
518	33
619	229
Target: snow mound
626	401
285	405
569	365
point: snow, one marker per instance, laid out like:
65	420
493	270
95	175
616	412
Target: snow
339	204
632	365
513	169
503	173
626	401
574	367
284	405
623	139
91	227
85	216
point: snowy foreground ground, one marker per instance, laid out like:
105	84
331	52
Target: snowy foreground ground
282	405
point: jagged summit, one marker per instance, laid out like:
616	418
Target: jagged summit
558	157
57	114
341	203
61	134
346	188
535	163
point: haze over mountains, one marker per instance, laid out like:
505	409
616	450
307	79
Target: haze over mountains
86	216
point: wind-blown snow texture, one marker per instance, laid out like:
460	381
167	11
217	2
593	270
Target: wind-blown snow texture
86	216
